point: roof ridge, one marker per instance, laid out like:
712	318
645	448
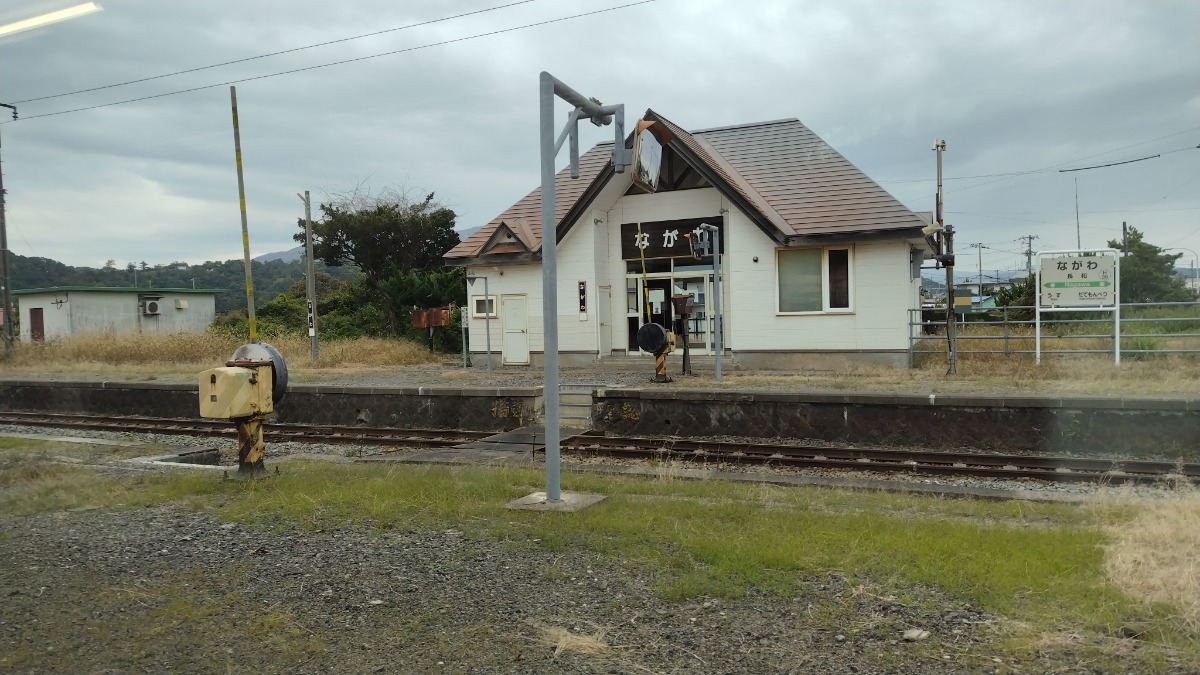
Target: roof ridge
748	125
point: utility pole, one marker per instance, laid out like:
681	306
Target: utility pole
5	283
979	248
1124	239
1078	241
1028	239
947	234
311	285
237	151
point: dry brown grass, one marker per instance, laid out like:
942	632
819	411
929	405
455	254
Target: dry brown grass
188	353
1155	556
563	640
1170	375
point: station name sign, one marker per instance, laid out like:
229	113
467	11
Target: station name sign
663	239
1078	281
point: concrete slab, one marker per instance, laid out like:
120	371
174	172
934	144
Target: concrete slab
73	439
569	502
523	439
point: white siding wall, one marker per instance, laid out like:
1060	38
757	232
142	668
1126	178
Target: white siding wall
119	312
883	290
524	279
576	263
56	319
96	312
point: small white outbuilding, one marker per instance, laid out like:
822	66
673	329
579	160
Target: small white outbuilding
63	311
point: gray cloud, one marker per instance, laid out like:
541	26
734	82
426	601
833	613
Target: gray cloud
1011	85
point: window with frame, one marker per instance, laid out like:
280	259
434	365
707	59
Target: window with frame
482	306
813	279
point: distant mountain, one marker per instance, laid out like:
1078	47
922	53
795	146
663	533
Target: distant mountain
270	278
286	256
463	234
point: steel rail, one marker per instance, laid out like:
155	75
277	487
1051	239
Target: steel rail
303	433
1058	469
962	464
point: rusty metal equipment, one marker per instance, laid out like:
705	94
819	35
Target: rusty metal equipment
683	309
245	391
431	318
659	341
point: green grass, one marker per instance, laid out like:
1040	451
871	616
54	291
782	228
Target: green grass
1039	566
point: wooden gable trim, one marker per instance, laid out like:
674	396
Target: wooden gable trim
503	229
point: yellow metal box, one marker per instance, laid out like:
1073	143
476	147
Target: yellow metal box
230	392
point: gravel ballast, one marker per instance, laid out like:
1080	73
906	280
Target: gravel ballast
164	589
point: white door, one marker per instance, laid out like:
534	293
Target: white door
602	299
516	329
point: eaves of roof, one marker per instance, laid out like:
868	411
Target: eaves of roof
790	183
115	289
572	197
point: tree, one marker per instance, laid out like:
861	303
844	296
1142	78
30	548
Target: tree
1147	272
384	236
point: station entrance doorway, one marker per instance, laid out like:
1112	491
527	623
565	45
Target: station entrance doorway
696	283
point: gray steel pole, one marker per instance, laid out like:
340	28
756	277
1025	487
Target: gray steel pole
717	328
599	114
311	286
550	275
237	150
487	322
462	320
5	281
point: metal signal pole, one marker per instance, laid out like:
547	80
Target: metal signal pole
550	88
939	146
5	282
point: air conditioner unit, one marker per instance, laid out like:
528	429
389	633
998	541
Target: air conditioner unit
151	308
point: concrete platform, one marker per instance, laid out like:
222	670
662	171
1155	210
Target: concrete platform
569	502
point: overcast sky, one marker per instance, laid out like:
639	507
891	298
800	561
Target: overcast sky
1013	86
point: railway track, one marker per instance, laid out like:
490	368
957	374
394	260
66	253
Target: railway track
959	464
272	433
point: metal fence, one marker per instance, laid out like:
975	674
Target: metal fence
1146	329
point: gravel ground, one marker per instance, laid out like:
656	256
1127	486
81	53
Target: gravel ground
168	590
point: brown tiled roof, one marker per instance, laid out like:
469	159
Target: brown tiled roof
792	183
525	217
809	184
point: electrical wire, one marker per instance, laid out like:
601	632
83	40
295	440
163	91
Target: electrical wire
338	63
1101	166
279	53
1054	167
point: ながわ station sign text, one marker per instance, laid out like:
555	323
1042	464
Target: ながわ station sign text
1078	281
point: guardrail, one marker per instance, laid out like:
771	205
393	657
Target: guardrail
1147	329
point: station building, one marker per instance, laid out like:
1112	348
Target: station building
63	311
820	265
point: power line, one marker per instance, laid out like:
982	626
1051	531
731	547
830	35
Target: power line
1013	174
285	51
1034	213
338	63
1101	166
1080	159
